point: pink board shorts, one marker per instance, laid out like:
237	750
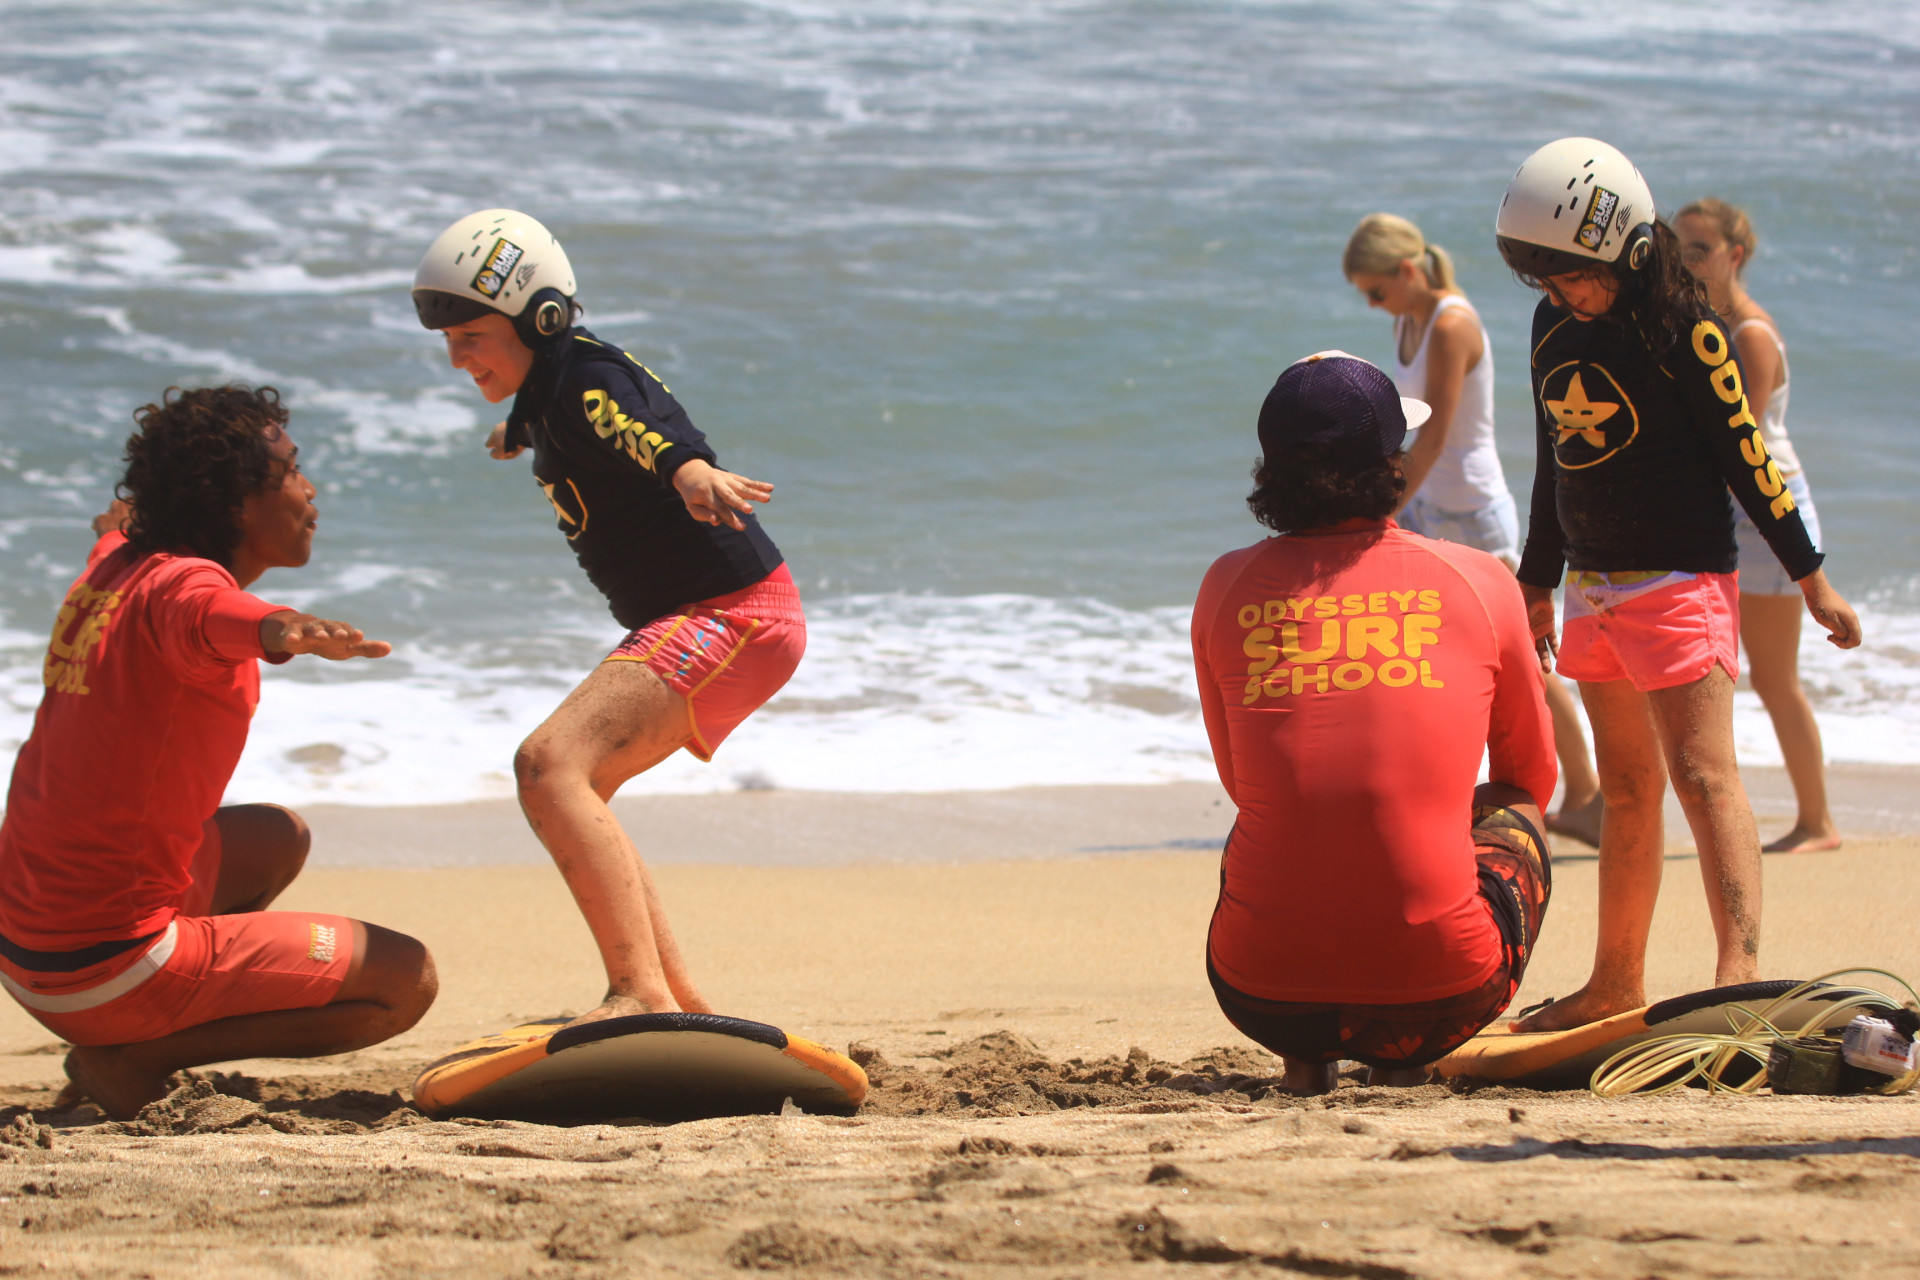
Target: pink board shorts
1658	630
199	968
726	655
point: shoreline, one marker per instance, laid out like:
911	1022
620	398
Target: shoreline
833	828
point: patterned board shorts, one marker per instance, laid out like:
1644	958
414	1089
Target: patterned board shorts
726	656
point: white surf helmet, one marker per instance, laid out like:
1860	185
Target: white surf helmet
501	261
1573	205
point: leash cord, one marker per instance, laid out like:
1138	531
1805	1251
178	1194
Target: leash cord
1705	1056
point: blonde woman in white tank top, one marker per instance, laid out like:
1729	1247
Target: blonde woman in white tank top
1462	476
1718	242
1456	490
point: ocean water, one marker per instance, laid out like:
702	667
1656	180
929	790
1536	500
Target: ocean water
990	291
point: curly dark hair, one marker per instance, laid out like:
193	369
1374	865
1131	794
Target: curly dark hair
196	458
1661	302
1310	486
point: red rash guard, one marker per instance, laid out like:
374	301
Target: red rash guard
1349	682
151	684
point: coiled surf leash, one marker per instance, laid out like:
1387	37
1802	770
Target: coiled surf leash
1874	1053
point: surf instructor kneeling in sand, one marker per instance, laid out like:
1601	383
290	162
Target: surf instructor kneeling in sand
133	908
1374	904
714	620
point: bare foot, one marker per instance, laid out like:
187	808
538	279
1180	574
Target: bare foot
1583	1006
100	1072
690	1001
1402	1078
1581	821
1307	1079
618	1007
1804	840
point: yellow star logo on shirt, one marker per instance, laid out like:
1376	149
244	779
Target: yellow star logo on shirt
1579	416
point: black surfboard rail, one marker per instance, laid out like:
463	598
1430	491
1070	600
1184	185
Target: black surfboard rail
1751	993
608	1028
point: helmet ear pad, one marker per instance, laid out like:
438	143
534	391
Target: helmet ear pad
1638	248
547	315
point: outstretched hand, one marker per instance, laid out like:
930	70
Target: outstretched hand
1540	620
290	632
1831	611
714	496
497	443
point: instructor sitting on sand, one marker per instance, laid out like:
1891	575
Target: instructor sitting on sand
133	908
1374	904
714	621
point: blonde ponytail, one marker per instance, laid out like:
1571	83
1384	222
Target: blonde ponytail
1382	241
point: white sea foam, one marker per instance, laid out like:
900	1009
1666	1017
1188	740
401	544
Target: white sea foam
897	693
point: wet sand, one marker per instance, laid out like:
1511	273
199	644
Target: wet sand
998	988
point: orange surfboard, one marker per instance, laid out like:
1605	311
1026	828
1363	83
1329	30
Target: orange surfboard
655	1066
1567	1059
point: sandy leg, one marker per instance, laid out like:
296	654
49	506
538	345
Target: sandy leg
621	721
1770	637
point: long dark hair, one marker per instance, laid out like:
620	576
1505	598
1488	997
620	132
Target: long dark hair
1663	300
197	457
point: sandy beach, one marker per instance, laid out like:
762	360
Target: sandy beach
1021	971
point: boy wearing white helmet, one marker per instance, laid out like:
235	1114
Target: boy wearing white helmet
715	623
1642	427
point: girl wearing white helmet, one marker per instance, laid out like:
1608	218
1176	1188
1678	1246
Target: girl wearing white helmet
715	623
1643	425
1456	489
1717	241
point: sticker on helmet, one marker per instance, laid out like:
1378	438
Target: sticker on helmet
1593	227
493	273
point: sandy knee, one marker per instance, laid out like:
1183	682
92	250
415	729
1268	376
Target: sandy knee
1704	783
1626	797
538	767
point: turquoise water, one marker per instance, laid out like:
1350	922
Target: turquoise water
990	292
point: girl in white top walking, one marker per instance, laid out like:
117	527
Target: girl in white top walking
1717	242
1456	490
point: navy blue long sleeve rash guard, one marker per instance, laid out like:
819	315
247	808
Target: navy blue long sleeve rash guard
607	437
1637	453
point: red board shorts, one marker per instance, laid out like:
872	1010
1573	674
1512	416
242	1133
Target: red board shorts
1659	630
1516	879
199	968
726	655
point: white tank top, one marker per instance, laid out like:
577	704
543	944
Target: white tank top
1466	476
1773	423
